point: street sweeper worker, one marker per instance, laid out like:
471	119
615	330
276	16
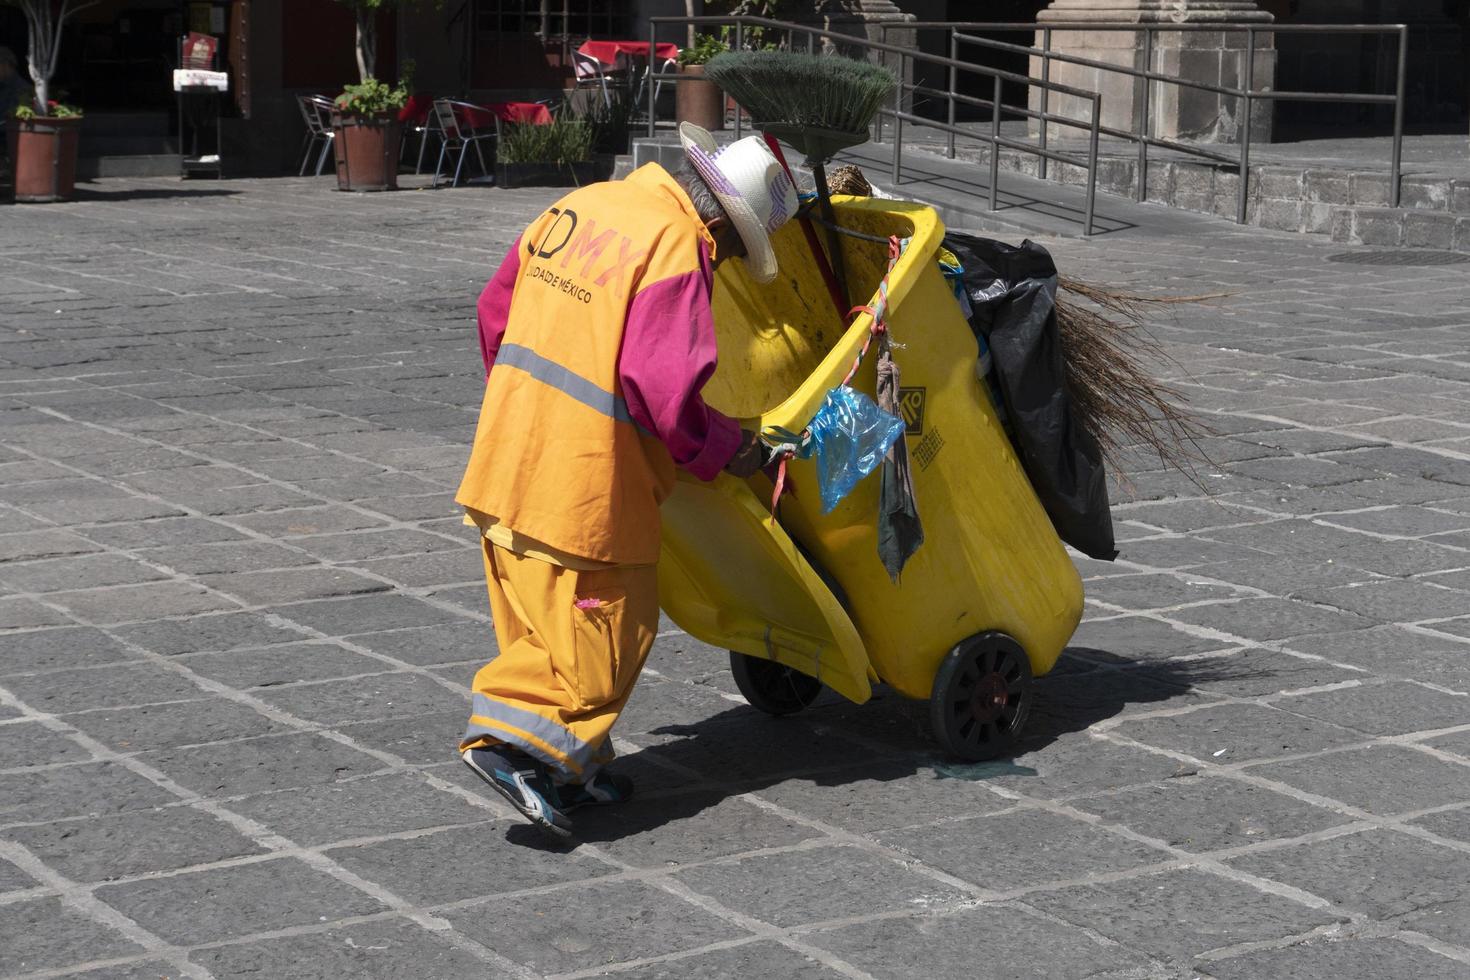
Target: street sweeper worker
597	337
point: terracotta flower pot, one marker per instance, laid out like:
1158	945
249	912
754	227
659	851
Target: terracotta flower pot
367	148
45	153
698	100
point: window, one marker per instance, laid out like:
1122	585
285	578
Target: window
554	18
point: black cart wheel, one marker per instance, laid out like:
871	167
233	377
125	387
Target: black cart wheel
982	695
774	688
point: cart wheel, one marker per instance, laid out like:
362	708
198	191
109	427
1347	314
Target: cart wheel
982	695
774	688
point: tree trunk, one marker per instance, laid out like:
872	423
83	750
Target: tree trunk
40	46
367	43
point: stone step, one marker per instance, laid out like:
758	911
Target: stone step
1282	197
1401	228
129	165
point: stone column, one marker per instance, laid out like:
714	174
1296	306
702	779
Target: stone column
1212	57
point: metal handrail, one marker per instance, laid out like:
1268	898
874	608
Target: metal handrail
994	138
1248	93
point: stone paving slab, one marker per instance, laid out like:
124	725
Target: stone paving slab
238	615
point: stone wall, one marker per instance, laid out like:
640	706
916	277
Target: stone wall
1211	57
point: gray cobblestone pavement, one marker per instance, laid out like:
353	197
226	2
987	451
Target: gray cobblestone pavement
238	614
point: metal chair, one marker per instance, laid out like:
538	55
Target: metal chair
460	133
591	73
667	66
316	112
418	118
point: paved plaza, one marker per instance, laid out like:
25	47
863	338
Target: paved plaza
239	614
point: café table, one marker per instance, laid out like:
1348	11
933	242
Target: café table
607	52
484	116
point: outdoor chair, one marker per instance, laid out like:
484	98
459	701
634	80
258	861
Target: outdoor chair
668	66
458	123
316	112
418	118
591	73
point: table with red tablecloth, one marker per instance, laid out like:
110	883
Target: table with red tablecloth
415	111
484	116
607	51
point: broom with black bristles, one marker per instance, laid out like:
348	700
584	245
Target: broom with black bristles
820	104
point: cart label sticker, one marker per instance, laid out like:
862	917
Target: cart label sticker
911	407
927	449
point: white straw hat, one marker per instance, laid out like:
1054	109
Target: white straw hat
753	187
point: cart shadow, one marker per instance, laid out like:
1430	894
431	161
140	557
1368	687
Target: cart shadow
695	768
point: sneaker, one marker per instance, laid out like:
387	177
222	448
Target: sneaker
601	790
525	783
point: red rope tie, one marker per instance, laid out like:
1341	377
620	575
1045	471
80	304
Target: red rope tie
780	484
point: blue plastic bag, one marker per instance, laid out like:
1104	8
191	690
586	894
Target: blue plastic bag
850	436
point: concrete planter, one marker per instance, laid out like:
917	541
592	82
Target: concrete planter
698	100
544	174
367	148
45	153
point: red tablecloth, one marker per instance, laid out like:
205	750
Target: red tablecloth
484	116
607	51
415	111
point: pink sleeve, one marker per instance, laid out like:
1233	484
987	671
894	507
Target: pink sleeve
668	354
494	305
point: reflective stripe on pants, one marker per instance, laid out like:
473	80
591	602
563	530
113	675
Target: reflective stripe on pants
572	644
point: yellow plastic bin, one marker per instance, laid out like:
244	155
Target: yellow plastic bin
990	599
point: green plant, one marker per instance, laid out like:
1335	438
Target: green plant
54	110
44	21
574	141
564	141
611	122
705	47
756	38
370	97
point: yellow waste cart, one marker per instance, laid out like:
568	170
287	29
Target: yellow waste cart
990	599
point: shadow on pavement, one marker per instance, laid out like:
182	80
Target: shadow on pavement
695	767
86	194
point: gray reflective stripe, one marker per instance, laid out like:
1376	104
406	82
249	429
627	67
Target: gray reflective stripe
572	385
548	731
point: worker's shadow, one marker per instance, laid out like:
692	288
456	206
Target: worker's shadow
685	771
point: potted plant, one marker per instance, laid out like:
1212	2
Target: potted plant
43	135
555	154
367	141
44	150
696	98
369	137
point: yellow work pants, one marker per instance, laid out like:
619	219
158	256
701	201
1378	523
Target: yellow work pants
572	644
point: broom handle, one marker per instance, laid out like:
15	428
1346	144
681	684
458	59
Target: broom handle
833	289
824	199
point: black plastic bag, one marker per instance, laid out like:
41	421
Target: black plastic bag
1012	292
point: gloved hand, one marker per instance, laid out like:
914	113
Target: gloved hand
750	457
